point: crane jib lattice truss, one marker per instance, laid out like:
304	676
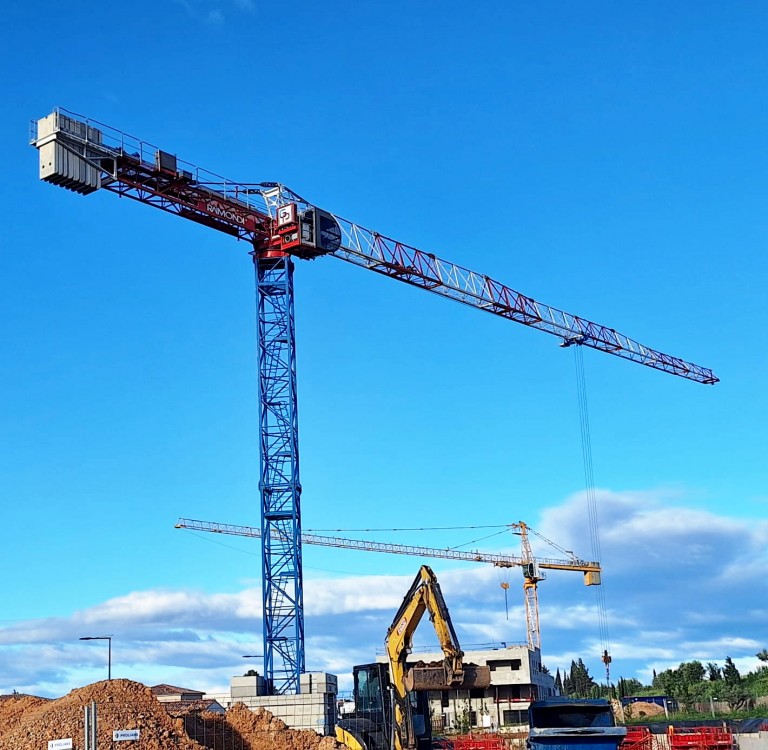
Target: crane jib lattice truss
84	155
499	559
533	567
136	169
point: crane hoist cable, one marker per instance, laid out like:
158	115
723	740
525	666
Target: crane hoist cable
594	526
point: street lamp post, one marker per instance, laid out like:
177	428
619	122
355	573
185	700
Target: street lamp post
107	638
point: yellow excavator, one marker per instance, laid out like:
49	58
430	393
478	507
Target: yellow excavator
391	700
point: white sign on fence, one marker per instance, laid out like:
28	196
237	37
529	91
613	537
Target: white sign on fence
60	744
125	734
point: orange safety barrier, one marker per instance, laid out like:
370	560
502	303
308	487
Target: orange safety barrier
700	738
638	738
481	741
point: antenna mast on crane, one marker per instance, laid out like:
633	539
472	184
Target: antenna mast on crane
84	156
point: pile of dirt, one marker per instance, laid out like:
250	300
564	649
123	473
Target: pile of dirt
13	708
262	731
636	709
28	723
243	729
121	704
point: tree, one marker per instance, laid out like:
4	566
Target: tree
686	683
734	690
622	688
714	672
632	686
756	682
735	695
581	683
664	681
558	683
567	687
463	719
762	655
692	671
731	675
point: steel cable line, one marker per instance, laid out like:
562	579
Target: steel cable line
589	483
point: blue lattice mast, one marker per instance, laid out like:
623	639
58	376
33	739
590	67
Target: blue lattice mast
279	483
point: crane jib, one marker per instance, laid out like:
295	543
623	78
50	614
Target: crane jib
83	155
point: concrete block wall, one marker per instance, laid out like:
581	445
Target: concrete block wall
314	708
753	741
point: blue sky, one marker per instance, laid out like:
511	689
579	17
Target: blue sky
605	158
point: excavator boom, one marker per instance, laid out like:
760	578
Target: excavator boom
391	706
425	595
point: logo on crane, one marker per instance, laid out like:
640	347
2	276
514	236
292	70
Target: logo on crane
402	625
221	210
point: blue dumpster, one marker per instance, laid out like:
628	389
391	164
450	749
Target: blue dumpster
570	724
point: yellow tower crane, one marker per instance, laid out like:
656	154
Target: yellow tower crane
533	572
533	568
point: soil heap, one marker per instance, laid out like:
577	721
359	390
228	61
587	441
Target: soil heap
260	730
28	723
13	708
643	708
121	704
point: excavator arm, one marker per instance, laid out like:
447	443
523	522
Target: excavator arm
425	595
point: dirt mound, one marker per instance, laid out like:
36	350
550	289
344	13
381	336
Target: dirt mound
27	723
643	708
121	704
262	731
242	729
13	708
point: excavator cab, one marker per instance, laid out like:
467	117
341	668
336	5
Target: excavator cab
370	726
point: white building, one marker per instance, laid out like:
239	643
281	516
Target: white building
517	678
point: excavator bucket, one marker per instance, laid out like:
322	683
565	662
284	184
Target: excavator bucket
434	677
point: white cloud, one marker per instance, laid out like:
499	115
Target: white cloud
668	600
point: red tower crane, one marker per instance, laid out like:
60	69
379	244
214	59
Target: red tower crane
84	156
